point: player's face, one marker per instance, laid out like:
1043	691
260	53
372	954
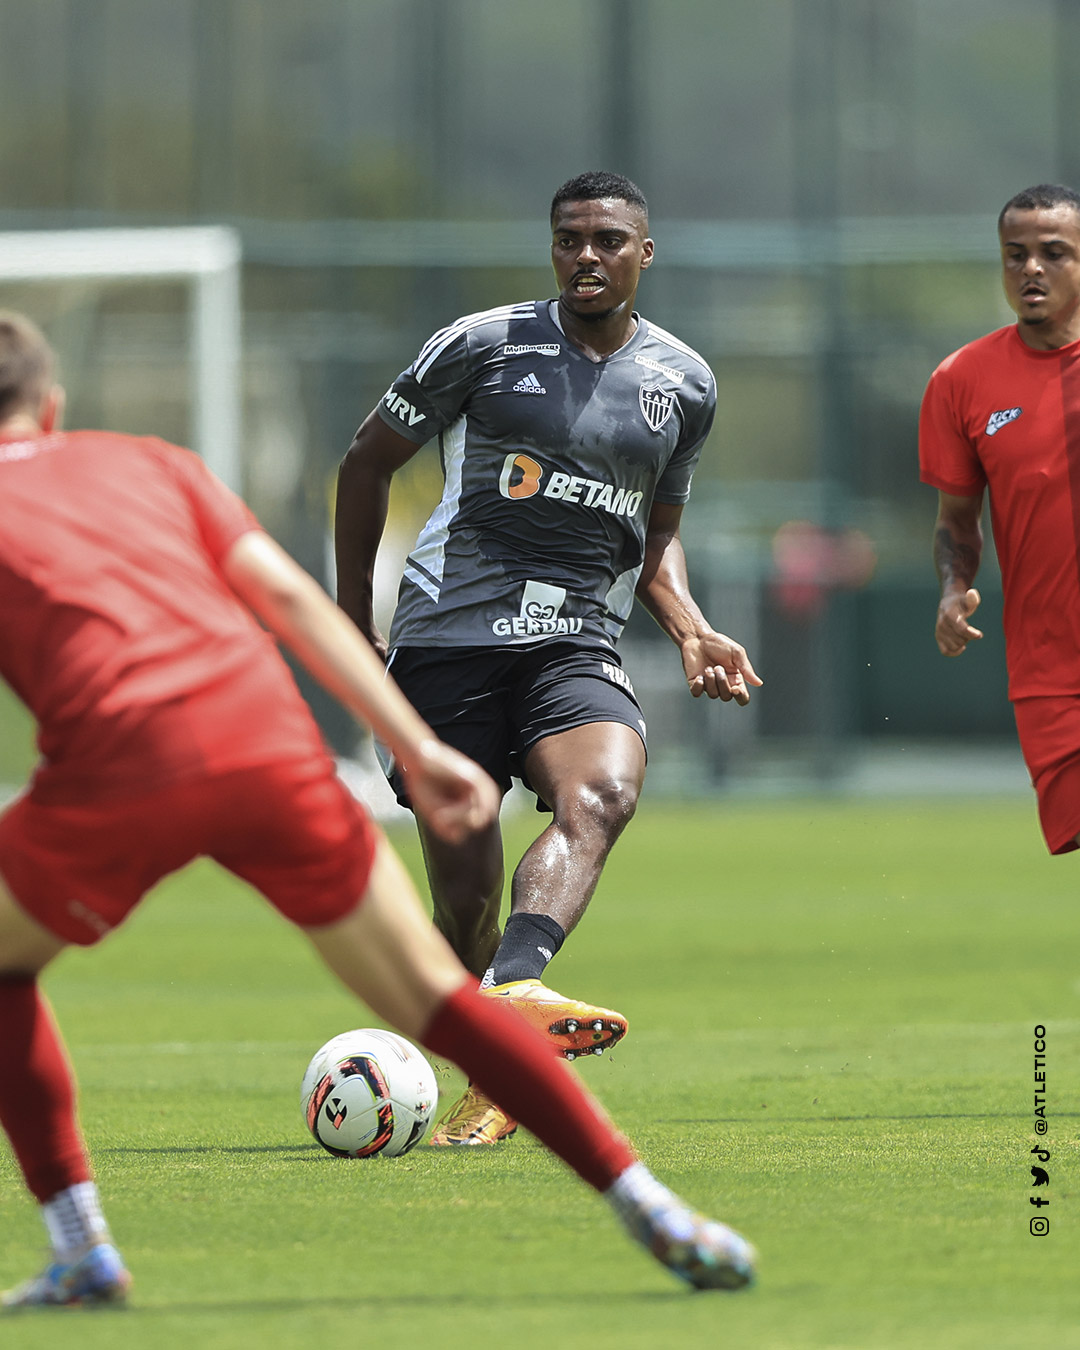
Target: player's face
1040	256
598	251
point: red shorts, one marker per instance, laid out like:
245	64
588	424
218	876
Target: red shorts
290	829
1049	731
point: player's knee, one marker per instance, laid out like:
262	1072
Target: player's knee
606	804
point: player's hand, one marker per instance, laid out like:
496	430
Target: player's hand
718	667
453	795
953	632
378	643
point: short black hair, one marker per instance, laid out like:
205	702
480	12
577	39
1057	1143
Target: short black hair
1043	197
26	364
598	186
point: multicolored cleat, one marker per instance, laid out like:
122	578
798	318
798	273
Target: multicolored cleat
97	1279
475	1119
704	1253
576	1028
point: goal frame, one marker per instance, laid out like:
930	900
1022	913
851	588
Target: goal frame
205	257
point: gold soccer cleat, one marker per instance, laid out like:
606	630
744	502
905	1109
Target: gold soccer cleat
576	1028
474	1120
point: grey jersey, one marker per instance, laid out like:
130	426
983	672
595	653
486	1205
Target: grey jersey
552	463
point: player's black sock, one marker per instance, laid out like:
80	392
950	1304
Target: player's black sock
528	943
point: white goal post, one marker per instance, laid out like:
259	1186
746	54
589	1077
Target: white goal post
207	258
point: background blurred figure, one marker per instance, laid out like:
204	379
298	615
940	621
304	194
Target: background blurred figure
1004	413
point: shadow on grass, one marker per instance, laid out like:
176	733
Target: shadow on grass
299	1150
826	1120
390	1302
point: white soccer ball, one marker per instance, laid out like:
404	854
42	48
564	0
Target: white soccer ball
368	1092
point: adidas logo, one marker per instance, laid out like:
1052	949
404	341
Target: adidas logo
1001	419
529	385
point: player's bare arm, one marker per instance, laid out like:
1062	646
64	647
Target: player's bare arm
715	665
958	542
454	795
363	496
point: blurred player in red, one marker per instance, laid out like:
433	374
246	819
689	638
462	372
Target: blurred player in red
131	585
1004	413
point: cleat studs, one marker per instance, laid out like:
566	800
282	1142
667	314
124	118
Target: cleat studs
598	1049
598	1025
571	1025
571	1055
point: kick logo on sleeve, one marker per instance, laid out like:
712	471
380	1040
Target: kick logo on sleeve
1001	419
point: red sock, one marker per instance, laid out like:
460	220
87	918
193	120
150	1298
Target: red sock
513	1063
37	1092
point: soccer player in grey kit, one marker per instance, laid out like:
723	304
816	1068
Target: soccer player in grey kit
568	430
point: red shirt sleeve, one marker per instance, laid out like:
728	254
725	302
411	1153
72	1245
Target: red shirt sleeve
947	458
222	516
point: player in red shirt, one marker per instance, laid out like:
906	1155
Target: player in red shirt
1003	413
131	582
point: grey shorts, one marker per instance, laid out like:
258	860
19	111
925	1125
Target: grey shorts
495	703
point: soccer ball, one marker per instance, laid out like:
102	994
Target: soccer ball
368	1092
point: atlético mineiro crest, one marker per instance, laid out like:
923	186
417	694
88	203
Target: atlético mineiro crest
656	405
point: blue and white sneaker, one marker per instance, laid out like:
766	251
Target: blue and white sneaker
704	1253
97	1279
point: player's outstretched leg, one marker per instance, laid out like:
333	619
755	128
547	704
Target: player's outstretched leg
552	1103
388	952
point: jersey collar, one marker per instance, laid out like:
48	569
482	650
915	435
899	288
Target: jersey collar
634	340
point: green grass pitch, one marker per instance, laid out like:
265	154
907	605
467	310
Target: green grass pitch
832	1008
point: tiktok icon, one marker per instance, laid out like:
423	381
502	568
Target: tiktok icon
1039	1225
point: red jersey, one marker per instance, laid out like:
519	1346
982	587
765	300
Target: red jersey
117	629
998	414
